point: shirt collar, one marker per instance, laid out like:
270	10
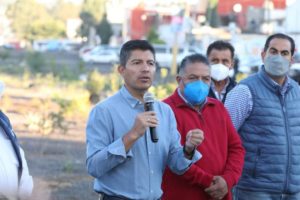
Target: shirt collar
132	101
282	88
213	87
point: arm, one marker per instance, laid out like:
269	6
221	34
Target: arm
239	104
235	159
105	152
26	183
179	159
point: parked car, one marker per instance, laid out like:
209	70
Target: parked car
100	55
164	55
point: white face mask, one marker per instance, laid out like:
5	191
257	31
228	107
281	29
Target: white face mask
219	72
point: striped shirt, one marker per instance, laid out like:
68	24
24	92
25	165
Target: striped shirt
239	102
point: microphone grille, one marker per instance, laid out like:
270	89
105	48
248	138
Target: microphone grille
148	97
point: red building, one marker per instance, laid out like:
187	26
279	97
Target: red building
225	8
141	22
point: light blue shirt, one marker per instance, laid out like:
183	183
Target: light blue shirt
239	101
138	173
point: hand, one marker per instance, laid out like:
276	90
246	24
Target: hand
143	121
193	139
218	188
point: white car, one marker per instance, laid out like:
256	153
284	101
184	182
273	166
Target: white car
100	55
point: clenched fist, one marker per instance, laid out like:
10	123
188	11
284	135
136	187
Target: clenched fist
193	139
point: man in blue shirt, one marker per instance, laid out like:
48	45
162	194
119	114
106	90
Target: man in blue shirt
125	162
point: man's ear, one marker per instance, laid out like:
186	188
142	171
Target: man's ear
121	69
178	79
263	55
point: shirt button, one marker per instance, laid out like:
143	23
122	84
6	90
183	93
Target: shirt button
152	172
151	191
149	152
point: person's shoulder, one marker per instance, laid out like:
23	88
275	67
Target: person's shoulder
168	100
108	102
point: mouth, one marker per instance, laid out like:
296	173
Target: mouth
144	78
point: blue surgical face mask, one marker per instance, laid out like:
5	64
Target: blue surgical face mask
196	92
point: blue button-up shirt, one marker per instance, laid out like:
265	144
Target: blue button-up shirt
136	174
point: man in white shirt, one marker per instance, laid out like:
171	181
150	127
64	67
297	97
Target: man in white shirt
15	181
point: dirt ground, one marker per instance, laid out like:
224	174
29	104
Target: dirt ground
57	164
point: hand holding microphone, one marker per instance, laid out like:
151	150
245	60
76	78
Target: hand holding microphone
148	105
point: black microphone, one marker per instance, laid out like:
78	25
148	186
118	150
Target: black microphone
148	105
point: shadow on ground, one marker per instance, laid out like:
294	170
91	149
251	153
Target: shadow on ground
58	169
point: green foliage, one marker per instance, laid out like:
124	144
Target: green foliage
63	10
95	82
95	7
88	21
104	30
163	91
212	13
104	84
31	20
153	37
58	118
4	54
68	166
35	61
50	28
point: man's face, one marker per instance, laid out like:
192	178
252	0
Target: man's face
194	72
278	46
139	71
221	56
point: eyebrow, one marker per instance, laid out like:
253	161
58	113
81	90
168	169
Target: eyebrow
272	48
137	59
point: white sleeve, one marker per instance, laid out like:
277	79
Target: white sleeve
26	183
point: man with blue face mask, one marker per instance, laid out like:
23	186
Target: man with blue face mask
213	176
265	110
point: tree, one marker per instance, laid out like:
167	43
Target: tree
91	13
104	30
212	13
95	7
28	17
64	10
87	21
51	28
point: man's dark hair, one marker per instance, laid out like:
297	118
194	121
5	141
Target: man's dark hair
131	45
194	58
280	36
220	45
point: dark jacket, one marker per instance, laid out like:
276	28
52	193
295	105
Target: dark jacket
229	87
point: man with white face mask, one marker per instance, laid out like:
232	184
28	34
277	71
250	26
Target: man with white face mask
221	57
265	110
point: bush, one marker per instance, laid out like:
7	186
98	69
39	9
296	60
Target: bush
35	61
